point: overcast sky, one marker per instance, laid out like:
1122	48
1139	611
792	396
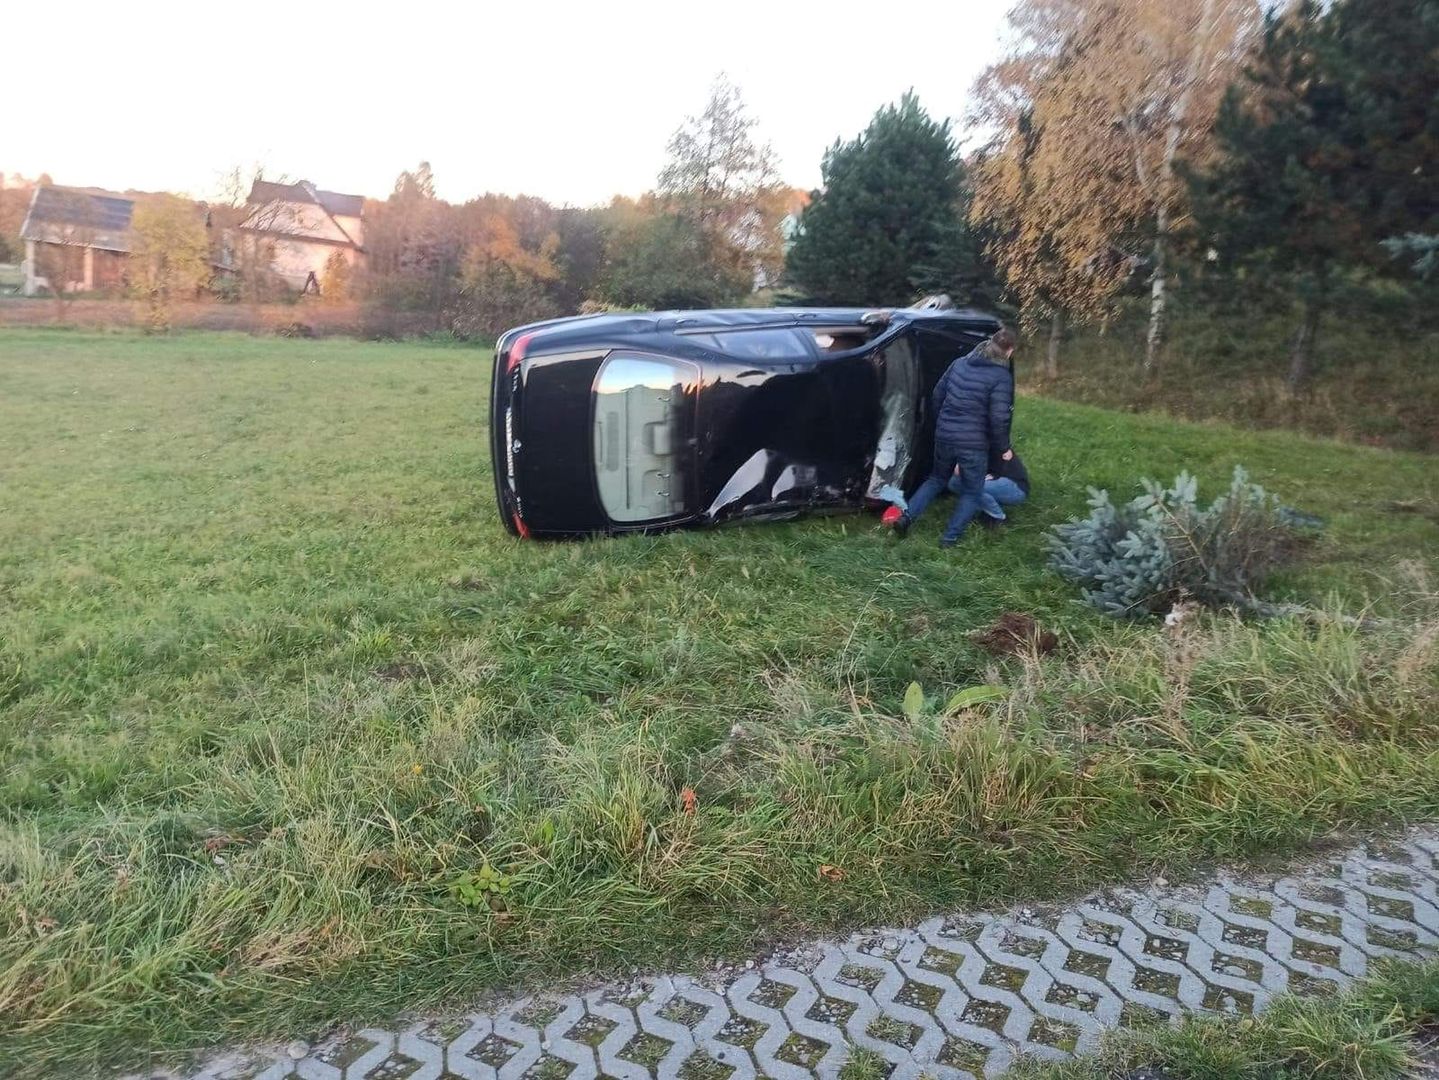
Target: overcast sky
571	101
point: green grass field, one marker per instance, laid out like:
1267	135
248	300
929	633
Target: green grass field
291	731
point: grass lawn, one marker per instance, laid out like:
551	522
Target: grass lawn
291	731
1375	379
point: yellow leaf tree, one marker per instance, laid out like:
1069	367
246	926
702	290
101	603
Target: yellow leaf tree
1093	111
335	281
170	258
504	281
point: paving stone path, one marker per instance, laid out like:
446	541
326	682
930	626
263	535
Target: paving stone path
960	996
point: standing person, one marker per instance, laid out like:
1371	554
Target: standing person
1008	487
973	403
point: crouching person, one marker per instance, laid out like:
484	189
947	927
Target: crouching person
972	403
1007	487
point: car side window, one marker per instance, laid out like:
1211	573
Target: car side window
641	413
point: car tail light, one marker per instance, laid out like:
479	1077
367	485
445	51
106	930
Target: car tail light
520	526
517	352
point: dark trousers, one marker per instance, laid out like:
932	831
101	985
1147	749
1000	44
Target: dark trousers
972	465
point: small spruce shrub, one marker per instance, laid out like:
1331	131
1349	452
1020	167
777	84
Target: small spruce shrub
1164	547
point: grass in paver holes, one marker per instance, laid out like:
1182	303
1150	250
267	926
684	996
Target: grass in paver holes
646	1050
1380	1028
802	1051
700	1066
549	1067
888	1029
275	688
864	1064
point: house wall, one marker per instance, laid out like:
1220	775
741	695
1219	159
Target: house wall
354	228
109	269
78	263
294	218
296	259
298	232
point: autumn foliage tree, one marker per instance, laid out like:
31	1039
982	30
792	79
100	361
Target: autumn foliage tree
15	193
413	247
335	280
659	260
508	267
170	256
721	182
1031	238
1095	108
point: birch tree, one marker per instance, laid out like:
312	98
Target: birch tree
1117	93
1045	228
723	181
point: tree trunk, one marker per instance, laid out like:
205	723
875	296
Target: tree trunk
1158	293
1301	347
1051	355
1163	188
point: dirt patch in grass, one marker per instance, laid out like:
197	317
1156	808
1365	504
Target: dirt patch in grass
1014	633
400	671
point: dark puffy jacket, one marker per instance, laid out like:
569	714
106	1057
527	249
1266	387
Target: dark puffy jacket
973	402
1013	469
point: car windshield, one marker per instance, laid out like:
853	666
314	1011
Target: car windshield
640	420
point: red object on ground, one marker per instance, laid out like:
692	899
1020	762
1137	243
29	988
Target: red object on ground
890	516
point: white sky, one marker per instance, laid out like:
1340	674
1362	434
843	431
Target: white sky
568	100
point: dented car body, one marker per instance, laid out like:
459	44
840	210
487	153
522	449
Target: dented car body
638	422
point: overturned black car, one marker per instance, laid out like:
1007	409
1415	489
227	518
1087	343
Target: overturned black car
632	422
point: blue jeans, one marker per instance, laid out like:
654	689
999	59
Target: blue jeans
998	493
972	465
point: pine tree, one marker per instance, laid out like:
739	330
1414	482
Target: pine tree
1331	145
889	221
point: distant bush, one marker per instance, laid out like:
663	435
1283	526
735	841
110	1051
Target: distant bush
496	294
1163	547
226	288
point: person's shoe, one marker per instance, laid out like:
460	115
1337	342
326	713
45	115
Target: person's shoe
988	522
901	526
946	542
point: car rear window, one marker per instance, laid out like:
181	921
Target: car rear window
641	409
